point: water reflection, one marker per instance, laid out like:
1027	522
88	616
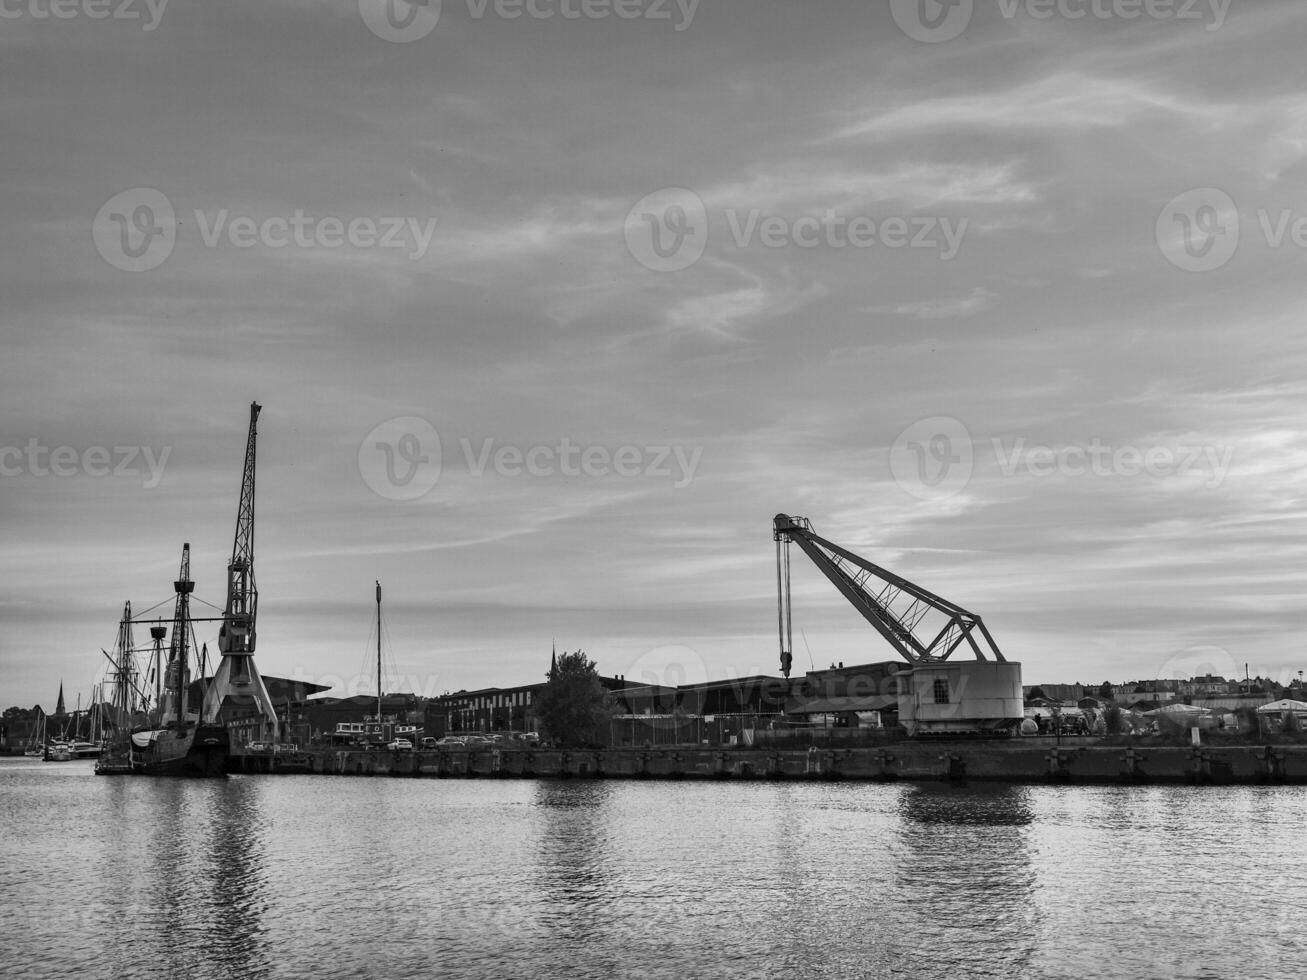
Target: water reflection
996	806
235	886
170	864
316	877
967	879
181	891
575	865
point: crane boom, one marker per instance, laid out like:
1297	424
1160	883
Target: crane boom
236	634
922	627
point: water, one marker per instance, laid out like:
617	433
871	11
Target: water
316	877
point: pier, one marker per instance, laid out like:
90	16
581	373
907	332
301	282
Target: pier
1026	761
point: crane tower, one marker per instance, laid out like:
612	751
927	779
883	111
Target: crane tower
237	695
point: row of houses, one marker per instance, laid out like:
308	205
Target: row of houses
1164	690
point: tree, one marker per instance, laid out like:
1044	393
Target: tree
1037	692
573	704
1105	691
1112	721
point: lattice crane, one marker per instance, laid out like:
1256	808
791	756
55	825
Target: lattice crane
237	677
921	626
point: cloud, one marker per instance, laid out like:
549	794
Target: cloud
1071	100
978	300
728	312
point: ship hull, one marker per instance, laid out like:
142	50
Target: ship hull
195	751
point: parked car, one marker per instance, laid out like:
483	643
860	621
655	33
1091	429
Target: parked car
400	745
449	742
258	746
428	742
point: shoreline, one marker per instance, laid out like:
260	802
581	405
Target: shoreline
933	761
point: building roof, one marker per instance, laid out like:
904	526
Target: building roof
283	689
1284	704
743	683
822	706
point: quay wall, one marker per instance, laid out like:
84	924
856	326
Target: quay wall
1019	761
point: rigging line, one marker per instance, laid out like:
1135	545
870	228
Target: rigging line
368	663
388	654
803	633
141	612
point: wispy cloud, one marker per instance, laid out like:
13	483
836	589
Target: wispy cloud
1066	101
940	309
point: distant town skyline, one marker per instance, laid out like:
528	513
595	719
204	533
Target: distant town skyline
549	316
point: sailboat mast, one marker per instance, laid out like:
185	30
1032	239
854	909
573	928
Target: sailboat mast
378	651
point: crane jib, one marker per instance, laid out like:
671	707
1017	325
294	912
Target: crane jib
902	612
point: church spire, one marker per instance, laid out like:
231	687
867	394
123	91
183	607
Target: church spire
59	705
553	660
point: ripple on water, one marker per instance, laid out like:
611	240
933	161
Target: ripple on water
262	878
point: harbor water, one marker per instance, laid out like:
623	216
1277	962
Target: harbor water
257	877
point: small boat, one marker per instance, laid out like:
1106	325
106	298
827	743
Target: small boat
86	750
35	748
59	752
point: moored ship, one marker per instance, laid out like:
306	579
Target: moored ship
176	742
187	750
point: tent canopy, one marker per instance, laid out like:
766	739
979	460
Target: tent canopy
1178	709
1284	704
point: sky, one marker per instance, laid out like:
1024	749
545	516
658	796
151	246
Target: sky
551	308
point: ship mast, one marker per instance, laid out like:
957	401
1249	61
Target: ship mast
157	633
124	683
378	652
179	644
